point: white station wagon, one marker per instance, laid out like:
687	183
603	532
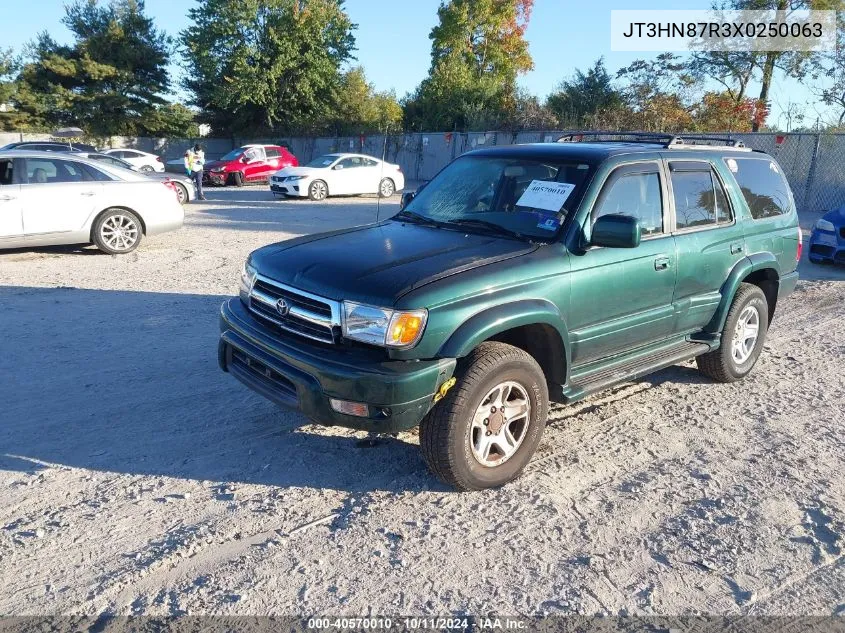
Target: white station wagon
51	198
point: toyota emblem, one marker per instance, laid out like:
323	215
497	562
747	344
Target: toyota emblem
282	307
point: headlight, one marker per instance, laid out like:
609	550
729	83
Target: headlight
217	170
292	178
824	225
247	279
382	326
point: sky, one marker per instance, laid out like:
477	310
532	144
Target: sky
393	45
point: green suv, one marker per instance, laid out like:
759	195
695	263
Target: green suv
518	276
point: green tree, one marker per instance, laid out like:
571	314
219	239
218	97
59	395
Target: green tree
8	88
478	50
263	66
360	109
110	80
585	97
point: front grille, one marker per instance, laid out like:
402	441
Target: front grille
307	315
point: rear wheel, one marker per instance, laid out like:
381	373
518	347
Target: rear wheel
742	337
487	427
318	190
147	169
181	192
386	188
117	231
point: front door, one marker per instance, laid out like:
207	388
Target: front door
346	176
621	298
11	223
57	196
710	241
256	164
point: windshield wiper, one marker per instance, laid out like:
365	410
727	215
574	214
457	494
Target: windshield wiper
497	228
416	218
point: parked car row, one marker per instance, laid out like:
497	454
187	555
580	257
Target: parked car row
142	161
49	198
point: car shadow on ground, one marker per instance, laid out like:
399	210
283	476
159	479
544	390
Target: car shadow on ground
128	382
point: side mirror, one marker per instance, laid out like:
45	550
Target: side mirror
616	231
406	198
338	166
244	160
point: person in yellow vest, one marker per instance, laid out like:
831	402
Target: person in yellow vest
197	161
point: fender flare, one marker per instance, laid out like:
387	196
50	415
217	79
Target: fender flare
741	270
492	321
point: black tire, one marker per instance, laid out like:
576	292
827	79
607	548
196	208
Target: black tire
147	169
103	233
446	432
721	364
238	179
386	188
318	190
181	192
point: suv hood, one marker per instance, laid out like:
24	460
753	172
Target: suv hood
378	264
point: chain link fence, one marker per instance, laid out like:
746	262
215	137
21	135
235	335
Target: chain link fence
814	164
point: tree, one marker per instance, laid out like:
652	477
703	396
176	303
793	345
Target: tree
720	112
478	50
360	109
657	92
111	80
263	66
8	88
584	97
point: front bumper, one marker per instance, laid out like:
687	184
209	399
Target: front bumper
288	188
290	372
826	246
214	177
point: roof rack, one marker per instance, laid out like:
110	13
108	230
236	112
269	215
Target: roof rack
643	137
668	141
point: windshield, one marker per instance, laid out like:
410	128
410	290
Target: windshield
523	197
323	161
233	155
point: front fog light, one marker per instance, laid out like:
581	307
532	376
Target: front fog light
358	409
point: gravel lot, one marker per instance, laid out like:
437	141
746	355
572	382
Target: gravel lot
137	478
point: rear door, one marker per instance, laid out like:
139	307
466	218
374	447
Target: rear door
11	222
57	195
708	237
622	297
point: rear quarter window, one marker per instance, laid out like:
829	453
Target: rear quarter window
763	186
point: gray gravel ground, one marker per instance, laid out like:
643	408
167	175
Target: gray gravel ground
136	478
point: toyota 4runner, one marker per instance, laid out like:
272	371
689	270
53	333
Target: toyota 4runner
520	275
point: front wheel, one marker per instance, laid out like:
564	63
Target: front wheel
238	179
386	188
487	427
742	337
117	232
318	190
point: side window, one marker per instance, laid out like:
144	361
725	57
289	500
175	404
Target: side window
636	194
763	186
272	153
118	153
7	166
91	173
350	162
48	171
700	199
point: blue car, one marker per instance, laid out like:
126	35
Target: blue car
827	243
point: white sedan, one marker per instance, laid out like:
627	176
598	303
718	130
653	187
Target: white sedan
339	175
50	198
142	161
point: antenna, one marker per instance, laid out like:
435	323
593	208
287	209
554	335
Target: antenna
381	175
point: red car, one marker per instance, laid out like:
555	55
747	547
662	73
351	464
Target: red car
250	163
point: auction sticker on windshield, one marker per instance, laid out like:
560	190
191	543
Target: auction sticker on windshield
545	194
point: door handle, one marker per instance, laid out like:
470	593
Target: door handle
736	247
661	263
88	193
